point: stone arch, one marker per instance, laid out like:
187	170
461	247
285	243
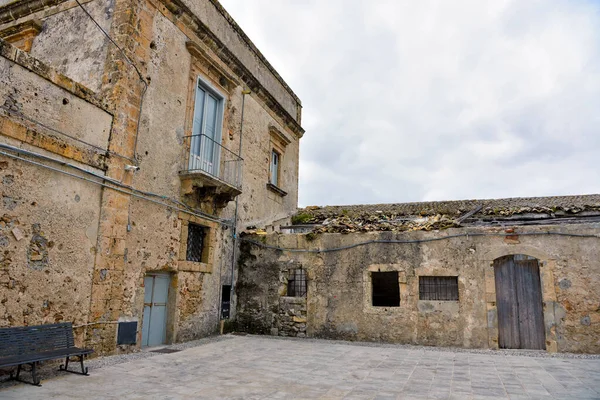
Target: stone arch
519	302
496	252
546	265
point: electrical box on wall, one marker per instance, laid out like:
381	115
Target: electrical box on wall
225	301
127	333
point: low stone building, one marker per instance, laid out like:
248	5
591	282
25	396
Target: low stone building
136	136
511	273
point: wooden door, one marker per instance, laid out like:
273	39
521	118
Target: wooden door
519	303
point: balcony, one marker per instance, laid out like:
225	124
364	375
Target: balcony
211	170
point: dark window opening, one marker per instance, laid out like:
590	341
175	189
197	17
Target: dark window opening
386	290
297	283
225	301
444	288
195	243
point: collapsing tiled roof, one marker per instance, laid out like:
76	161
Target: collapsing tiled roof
448	214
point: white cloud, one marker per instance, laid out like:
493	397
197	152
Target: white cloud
433	100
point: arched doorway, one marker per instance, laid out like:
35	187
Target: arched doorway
519	303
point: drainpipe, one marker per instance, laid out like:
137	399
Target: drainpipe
235	216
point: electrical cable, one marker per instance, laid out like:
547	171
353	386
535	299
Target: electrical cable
415	241
142	79
113	181
112	40
114	185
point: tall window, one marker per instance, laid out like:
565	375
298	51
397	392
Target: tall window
386	289
443	288
196	243
205	147
275	168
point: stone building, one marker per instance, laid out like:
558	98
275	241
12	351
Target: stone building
136	136
511	273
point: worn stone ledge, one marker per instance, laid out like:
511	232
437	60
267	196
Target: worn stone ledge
189	266
276	190
19	9
34	65
35	137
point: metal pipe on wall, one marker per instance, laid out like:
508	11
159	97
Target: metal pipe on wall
235	217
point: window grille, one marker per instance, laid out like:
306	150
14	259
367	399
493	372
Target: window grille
386	289
444	288
297	283
195	243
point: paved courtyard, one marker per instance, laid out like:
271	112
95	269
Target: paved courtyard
253	367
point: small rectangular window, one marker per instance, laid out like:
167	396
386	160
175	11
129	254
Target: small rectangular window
444	288
274	168
297	283
195	243
386	289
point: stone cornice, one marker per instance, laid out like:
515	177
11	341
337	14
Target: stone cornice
179	14
33	25
199	53
19	9
256	51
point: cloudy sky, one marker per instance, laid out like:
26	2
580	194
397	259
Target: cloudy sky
437	100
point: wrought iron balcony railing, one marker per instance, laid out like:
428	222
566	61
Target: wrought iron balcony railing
209	157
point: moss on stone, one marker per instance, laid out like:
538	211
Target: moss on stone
301	218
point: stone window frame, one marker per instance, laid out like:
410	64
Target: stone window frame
389	298
209	245
419	277
204	248
368	289
292	274
450	307
277	144
210	74
547	264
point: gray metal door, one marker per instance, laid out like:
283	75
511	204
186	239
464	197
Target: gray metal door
156	294
519	303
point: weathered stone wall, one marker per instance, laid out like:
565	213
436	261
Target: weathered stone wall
134	236
291	317
24	92
339	300
77	53
48	236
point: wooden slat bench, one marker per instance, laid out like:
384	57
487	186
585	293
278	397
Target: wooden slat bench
31	344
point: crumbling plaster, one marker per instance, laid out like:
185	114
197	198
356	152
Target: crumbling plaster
48	236
338	286
71	42
26	93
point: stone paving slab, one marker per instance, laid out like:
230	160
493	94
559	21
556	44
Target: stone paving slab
255	367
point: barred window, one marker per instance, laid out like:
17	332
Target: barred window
195	243
297	283
444	288
386	289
